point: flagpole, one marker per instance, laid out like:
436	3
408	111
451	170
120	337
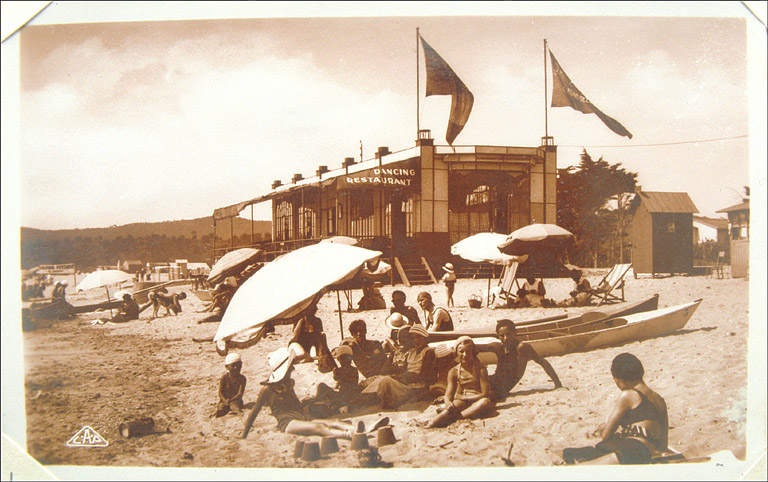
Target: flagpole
546	123
417	83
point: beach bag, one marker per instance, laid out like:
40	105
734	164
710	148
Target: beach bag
325	361
475	301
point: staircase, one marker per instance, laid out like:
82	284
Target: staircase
478	270
414	271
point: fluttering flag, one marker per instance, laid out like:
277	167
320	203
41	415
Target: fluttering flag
442	80
565	94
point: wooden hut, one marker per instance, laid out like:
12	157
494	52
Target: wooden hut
738	219
662	232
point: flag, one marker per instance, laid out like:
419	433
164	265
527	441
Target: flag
565	94
442	80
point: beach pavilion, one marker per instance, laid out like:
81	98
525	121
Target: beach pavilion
411	204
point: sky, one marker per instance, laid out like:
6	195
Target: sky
148	121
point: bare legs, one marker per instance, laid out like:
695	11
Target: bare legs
462	409
325	428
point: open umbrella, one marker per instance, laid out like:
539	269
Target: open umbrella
536	237
102	279
232	263
340	240
285	287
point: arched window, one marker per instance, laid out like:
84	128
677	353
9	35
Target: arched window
284	219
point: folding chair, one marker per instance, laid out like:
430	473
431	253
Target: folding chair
612	281
507	280
720	263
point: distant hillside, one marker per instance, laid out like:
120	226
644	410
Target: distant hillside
88	248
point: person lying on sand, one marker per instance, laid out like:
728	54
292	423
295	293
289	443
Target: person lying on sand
369	355
438	319
399	306
413	379
467	392
637	428
512	358
278	394
231	387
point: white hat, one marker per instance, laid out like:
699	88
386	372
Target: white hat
448	267
395	321
232	358
279	362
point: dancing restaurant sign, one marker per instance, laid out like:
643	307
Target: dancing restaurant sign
403	176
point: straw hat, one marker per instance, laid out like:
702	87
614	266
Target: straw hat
395	321
448	268
232	358
419	330
280	362
339	351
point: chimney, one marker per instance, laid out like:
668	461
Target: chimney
321	170
276	183
297	177
381	152
348	161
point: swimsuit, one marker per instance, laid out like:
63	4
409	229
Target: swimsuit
632	444
468	382
286	407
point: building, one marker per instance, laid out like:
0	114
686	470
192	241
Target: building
662	232
738	227
415	202
710	229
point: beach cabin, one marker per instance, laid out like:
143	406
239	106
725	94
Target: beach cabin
662	232
414	203
738	227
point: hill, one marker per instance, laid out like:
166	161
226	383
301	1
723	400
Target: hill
148	242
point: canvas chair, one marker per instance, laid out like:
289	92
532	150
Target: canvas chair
719	266
507	280
614	280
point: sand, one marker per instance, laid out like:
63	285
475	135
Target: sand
78	374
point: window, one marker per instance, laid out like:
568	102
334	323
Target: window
331	221
670	227
284	218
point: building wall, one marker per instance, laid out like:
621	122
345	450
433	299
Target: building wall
672	242
642	241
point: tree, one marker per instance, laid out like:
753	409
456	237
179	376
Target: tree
584	196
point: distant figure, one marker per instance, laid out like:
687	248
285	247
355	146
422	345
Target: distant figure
59	291
449	279
581	292
231	387
532	293
399	306
128	311
638	426
512	357
467	392
438	319
372	299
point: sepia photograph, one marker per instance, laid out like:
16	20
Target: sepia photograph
384	240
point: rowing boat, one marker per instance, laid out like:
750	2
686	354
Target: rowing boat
614	331
526	328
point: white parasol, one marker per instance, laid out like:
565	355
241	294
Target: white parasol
103	279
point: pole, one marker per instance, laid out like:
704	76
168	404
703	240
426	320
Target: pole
417	83
341	325
251	225
546	123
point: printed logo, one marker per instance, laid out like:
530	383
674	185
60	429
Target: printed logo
87	437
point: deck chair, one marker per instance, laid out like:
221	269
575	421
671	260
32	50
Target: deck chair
507	280
614	280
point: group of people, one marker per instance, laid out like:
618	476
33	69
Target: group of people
404	368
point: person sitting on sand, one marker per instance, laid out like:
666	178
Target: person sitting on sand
399	306
368	354
231	387
413	379
308	332
581	292
637	428
347	393
371	299
512	357
438	319
59	291
278	394
467	392
128	311
531	294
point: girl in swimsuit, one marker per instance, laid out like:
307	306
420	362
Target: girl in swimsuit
637	429
466	395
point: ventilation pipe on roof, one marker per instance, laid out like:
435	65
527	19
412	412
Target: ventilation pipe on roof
381	152
348	161
321	170
276	183
297	177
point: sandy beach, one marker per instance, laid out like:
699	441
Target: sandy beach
79	374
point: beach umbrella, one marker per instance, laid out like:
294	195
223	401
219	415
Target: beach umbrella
285	287
483	248
340	240
232	263
535	237
102	279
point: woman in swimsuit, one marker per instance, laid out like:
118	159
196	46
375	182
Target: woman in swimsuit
637	429
466	395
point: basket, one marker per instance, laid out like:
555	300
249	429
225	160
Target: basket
475	302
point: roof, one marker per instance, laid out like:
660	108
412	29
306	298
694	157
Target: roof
664	202
739	207
716	223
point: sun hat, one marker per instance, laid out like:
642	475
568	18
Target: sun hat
395	321
443	350
231	358
342	350
419	330
448	267
279	362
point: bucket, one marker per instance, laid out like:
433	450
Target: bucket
311	451
329	445
359	441
137	428
298	449
385	436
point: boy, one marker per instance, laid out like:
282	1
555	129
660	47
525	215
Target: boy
231	387
449	278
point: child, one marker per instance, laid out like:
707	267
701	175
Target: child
231	387
449	278
638	427
278	394
329	401
466	395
